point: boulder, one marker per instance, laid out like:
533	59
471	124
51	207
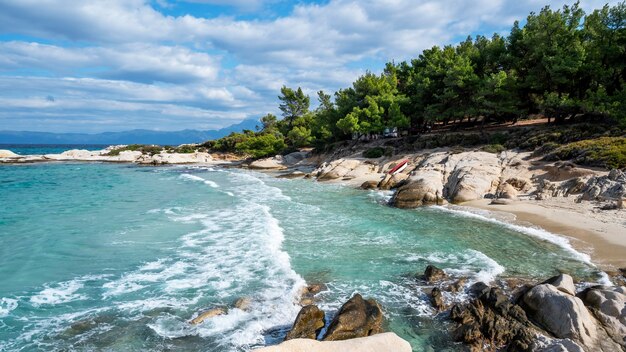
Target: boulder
561	314
275	163
436	299
243	303
563	283
609	305
356	318
385	342
474	175
507	191
417	193
521	184
294	158
392	181
492	322
612	186
207	315
434	274
308	323
336	169
369	185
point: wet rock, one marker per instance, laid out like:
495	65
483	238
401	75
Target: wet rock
492	321
561	314
392	181
385	342
436	299
478	289
563	283
608	305
356	318
307	294
308	323
434	274
369	185
207	315
458	286
295	174
243	303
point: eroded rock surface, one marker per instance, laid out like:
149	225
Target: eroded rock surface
356	318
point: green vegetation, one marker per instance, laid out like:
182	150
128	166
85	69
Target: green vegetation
560	64
374	153
145	149
608	152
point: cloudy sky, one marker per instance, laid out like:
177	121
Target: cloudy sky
113	65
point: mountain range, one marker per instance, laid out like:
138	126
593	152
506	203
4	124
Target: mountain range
125	137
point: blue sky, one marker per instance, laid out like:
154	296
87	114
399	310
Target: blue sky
113	65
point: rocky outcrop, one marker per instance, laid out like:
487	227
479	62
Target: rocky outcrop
417	193
172	158
561	314
356	318
345	169
384	342
564	170
392	181
436	299
369	185
492	321
611	186
243	303
474	175
433	274
563	283
309	322
275	162
608	304
7	154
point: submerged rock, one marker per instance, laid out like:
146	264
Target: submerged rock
243	303
356	318
207	315
434	274
308	323
385	342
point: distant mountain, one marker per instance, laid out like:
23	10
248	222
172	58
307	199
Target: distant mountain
126	137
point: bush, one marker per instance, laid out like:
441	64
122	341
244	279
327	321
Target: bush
185	149
494	148
374	153
144	149
607	152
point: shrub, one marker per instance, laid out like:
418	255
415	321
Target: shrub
608	152
145	149
373	153
494	148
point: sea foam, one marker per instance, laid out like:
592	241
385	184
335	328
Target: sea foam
6	306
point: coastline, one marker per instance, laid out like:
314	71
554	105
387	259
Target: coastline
588	231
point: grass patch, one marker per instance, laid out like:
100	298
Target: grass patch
607	152
494	148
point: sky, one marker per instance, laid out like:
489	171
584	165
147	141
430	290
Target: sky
113	65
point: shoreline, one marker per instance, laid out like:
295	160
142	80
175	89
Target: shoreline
588	234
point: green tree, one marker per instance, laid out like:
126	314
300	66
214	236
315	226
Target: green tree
294	104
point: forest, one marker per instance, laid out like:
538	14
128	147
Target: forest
561	64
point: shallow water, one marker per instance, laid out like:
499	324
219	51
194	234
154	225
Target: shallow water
119	258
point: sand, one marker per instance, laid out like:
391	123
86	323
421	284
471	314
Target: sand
599	233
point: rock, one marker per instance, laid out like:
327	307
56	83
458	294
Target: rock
392	181
8	154
458	285
478	289
356	318
307	294
336	169
170	158
295	174
561	314
562	171
275	162
521	184
609	305
434	274
308	323
492	322
507	191
385	342
207	315
436	299
243	303
563	283
474	175
369	185
605	188
294	158
562	345
415	194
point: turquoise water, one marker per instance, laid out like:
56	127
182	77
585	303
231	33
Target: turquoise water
35	149
118	257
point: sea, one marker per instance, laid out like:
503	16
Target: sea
120	257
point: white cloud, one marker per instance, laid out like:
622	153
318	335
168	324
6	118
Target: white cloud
166	69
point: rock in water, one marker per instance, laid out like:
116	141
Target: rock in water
369	185
308	324
243	303
563	315
436	299
385	342
207	315
356	318
434	274
415	194
492	319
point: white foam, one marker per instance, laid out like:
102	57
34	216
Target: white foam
558	240
7	305
63	292
200	179
471	263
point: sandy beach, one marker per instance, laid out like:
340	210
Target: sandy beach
599	233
